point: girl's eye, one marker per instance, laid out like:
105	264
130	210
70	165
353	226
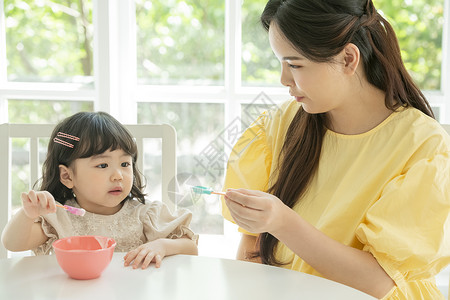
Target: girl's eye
126	164
102	166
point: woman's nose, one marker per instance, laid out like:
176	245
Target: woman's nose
286	78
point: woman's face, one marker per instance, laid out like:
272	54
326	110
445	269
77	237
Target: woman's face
319	87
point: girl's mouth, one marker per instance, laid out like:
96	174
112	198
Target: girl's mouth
115	192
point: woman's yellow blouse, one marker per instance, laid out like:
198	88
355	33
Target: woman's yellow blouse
386	191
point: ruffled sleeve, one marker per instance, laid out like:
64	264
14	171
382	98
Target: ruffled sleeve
249	163
159	222
408	229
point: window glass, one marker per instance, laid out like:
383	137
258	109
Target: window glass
49	41
44	111
437	112
260	67
418	25
202	149
180	42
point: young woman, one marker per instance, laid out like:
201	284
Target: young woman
91	164
351	180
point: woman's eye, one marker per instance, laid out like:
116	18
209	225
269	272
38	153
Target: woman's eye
126	164
102	166
294	66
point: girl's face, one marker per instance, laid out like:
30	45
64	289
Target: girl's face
318	86
100	182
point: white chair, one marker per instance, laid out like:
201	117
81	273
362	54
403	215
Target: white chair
34	132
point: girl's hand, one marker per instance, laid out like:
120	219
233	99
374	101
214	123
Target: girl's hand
150	252
256	211
39	203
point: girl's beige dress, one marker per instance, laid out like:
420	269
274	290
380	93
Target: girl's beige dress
133	225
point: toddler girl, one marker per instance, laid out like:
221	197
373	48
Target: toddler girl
91	164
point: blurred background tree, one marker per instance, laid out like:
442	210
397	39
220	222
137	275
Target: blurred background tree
418	25
49	41
181	42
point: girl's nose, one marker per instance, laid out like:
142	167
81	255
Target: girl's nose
116	175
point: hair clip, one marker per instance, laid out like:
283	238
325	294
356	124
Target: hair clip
56	140
68	136
62	134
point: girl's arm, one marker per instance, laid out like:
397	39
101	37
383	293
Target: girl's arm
258	212
182	245
247	246
156	250
22	232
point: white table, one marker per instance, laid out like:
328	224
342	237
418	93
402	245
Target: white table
180	277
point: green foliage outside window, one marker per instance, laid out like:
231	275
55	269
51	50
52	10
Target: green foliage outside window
49	41
418	25
182	41
260	67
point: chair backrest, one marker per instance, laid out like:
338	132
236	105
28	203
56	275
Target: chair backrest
34	132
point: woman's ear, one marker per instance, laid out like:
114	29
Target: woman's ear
65	176
352	57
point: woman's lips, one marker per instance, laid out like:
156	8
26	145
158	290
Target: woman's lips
299	99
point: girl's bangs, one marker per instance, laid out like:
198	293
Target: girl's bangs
108	138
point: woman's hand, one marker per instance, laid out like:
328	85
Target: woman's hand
256	211
150	252
37	204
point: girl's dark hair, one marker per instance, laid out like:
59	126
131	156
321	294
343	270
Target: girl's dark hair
319	30
97	132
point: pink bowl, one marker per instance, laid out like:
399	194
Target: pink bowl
84	257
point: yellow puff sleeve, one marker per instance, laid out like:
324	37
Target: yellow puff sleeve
408	229
249	163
